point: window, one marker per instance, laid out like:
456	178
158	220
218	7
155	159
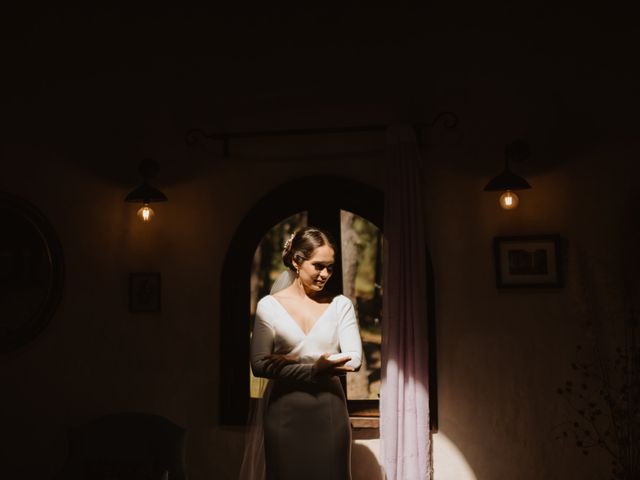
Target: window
360	251
286	201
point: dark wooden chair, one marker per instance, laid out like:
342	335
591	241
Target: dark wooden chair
126	446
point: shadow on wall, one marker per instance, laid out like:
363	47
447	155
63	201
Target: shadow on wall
364	463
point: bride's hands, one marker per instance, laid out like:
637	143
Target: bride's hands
331	367
323	365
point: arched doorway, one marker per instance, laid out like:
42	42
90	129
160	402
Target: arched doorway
288	199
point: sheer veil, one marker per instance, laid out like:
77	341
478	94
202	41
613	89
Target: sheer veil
285	279
253	464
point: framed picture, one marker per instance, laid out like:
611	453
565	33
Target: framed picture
527	261
144	292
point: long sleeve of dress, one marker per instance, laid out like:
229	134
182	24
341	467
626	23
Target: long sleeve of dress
262	341
349	335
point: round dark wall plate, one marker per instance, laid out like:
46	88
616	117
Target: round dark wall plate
31	272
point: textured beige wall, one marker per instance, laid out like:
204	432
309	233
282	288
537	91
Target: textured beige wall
500	354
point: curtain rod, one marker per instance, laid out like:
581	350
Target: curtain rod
194	135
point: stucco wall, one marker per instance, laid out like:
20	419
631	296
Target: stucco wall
501	355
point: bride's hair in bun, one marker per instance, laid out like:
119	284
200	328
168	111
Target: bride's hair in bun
302	243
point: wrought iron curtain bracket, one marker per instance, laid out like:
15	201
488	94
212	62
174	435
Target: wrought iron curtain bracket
195	135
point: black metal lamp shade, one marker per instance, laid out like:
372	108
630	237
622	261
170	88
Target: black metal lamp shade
518	150
507	180
146	193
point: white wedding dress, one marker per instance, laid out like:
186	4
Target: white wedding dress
307	434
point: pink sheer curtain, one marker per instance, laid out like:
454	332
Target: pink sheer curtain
404	395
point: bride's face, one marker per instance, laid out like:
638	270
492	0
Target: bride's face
315	271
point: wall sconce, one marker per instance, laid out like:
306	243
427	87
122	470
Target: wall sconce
508	181
146	193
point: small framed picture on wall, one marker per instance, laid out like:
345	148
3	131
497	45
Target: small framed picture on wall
527	261
144	292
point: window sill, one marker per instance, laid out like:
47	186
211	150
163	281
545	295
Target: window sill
364	422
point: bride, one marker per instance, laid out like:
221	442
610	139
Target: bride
303	340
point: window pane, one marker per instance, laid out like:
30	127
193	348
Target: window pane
267	265
361	245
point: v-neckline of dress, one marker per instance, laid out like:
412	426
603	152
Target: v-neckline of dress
296	323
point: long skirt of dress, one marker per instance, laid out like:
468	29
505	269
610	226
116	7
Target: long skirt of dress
307	434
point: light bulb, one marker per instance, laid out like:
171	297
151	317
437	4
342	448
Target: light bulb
146	213
509	200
